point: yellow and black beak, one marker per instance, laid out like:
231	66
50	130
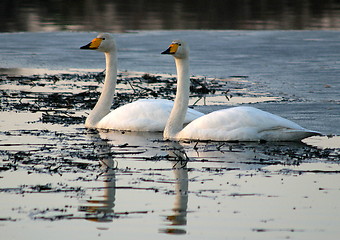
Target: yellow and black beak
94	44
172	49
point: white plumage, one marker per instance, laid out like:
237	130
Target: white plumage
142	115
244	124
233	124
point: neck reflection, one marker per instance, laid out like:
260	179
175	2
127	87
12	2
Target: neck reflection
178	218
101	207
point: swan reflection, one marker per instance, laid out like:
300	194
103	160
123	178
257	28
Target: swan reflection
138	149
109	145
101	208
179	161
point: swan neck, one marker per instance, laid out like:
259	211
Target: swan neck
104	103
177	116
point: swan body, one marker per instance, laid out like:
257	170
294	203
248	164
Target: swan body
233	124
142	115
244	124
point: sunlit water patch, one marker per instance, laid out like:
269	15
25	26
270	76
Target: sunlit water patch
324	141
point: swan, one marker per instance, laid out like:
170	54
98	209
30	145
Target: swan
233	124
141	115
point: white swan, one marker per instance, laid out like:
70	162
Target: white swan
142	115
233	124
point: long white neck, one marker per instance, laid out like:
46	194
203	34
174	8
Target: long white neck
104	103
176	120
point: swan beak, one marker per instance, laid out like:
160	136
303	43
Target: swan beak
94	44
171	50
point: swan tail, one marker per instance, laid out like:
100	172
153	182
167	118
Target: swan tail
289	135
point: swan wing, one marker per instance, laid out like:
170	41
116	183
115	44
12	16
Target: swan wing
143	115
244	124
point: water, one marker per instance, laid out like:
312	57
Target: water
298	67
59	180
122	15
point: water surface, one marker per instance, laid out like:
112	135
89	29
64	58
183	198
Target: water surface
60	180
122	15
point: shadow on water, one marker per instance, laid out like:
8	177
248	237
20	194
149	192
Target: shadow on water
122	15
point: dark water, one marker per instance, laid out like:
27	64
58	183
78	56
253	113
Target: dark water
122	15
60	181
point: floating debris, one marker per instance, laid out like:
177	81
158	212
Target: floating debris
64	147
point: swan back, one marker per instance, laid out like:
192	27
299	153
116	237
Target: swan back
143	115
244	124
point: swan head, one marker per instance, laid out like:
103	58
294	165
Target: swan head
104	42
178	48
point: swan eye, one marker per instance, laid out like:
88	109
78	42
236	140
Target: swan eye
179	44
103	38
